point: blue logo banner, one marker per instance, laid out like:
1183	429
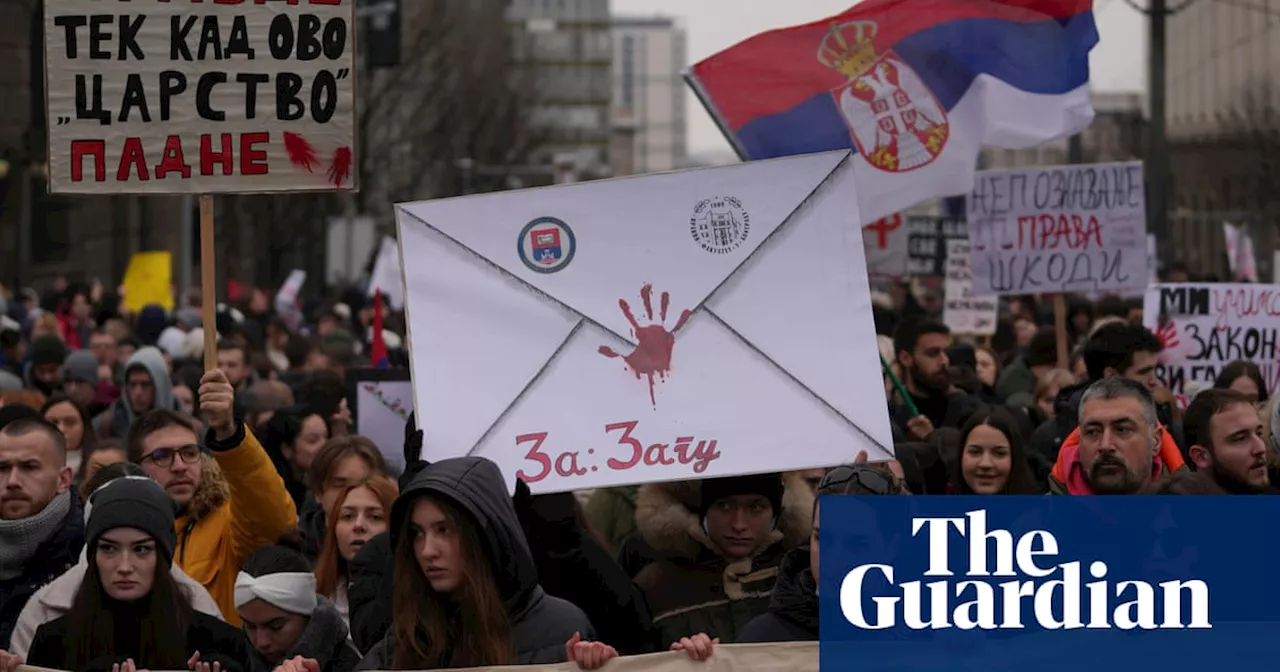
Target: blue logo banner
1070	584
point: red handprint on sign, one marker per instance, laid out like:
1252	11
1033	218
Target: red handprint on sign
1169	335
652	356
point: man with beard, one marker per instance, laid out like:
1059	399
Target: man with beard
41	516
1121	350
921	347
1225	435
1121	448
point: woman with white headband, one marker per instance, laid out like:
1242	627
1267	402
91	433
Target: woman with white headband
285	620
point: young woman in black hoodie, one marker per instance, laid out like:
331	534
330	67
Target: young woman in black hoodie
129	614
466	589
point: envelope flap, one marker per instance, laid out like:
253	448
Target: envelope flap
594	245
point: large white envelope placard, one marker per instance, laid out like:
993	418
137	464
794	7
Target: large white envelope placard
683	325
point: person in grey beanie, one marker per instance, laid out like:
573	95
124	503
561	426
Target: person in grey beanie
129	611
80	379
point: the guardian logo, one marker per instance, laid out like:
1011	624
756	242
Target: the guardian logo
1051	593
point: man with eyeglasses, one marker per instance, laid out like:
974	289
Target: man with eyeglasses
227	512
792	615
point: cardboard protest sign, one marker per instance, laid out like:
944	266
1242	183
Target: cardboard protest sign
790	656
386	276
1206	326
886	246
964	312
286	302
148	281
900	245
664	327
200	97
380	401
1074	228
927	239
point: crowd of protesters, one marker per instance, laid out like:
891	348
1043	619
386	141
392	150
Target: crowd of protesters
154	515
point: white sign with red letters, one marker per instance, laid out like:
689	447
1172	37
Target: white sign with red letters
664	327
187	96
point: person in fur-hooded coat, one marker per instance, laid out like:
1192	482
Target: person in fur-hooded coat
722	541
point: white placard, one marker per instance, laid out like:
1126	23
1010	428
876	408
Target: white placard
183	97
1206	326
664	327
386	276
381	410
286	302
962	311
1077	228
885	242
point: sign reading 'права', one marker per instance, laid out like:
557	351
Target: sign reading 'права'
184	96
1078	228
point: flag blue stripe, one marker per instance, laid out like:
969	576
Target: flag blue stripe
1049	57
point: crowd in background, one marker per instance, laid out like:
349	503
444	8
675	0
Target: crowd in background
157	516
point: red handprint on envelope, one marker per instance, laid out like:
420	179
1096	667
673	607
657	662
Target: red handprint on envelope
652	356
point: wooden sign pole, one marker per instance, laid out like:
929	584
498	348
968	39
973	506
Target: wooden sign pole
1060	326
208	284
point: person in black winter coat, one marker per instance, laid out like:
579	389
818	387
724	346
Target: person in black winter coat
454	533
575	566
42	527
129	611
793	605
571	564
284	618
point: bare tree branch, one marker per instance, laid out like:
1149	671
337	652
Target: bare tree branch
456	94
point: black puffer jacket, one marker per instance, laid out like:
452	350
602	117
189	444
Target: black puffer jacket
324	641
370	591
793	607
576	567
52	557
216	641
540	623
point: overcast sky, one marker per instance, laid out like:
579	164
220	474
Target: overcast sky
1119	61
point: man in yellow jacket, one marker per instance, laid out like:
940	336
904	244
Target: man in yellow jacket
230	497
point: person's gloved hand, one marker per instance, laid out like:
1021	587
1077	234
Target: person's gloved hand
412	440
413	462
547	519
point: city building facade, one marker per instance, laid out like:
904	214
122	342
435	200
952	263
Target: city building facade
648	56
564	49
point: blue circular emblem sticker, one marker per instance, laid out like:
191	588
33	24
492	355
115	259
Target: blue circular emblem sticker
546	245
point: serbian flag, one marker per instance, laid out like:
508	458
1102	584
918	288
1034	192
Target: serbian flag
915	88
378	348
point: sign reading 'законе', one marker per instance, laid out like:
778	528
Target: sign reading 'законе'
184	96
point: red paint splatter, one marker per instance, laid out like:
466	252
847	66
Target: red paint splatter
301	153
340	168
652	356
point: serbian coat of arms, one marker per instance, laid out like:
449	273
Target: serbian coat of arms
895	120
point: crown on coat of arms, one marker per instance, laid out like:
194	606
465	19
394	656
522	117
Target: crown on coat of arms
848	47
